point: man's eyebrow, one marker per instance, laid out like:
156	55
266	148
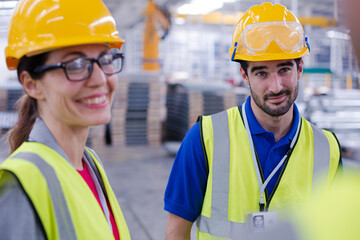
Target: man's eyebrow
256	68
286	64
253	69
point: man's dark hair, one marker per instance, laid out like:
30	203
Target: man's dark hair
245	64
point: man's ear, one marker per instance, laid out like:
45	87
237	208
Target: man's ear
31	86
244	76
301	68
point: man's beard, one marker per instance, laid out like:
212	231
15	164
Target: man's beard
279	111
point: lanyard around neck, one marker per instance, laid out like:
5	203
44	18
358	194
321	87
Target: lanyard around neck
252	147
100	192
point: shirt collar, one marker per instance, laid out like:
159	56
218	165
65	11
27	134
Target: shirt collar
256	128
40	133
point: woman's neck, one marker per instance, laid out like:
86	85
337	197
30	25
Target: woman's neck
72	140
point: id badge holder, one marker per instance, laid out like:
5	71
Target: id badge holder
261	221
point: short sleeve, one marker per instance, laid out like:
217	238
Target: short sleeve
186	187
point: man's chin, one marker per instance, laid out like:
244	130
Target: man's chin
276	111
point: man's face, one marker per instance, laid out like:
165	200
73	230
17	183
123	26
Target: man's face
273	85
258	221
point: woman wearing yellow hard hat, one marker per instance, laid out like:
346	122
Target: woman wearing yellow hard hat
52	186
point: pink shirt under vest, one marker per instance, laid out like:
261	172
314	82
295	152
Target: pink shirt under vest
85	174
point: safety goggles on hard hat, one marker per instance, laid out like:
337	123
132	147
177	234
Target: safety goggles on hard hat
288	35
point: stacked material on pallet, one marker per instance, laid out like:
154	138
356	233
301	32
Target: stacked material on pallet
178	111
10	92
96	136
339	112
138	112
187	101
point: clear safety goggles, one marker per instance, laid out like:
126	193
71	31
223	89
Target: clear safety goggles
288	35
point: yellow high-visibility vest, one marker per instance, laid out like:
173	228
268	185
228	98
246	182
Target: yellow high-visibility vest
63	201
232	190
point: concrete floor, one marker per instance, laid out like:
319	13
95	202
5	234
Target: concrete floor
139	176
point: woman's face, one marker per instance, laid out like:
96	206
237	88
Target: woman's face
76	104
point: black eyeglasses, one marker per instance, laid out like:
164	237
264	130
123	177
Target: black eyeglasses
81	68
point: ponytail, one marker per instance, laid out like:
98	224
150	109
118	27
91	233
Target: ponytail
27	116
27	106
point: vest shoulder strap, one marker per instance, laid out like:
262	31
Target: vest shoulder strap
321	153
94	167
61	211
221	164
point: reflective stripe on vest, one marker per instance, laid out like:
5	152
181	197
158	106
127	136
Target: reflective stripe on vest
64	222
218	224
321	153
220	227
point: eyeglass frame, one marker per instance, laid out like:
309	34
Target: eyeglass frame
62	65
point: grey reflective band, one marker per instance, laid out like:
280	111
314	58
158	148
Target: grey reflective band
62	214
218	224
90	164
321	154
96	156
221	227
93	165
221	166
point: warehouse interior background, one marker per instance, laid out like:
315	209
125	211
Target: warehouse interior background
177	67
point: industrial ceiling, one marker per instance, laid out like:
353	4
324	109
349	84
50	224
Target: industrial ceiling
128	13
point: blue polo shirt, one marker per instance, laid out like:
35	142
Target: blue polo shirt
186	187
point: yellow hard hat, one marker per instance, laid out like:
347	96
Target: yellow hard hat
42	25
268	32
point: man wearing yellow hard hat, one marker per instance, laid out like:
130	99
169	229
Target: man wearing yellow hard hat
254	160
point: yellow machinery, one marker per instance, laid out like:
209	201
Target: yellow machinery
154	16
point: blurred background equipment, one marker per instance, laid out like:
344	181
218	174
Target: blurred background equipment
172	76
155	15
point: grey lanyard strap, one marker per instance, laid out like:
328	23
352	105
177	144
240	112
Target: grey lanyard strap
252	147
98	188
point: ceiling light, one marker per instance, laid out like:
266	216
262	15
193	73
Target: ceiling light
6	12
200	7
337	35
8	4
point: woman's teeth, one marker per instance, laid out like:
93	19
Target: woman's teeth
96	100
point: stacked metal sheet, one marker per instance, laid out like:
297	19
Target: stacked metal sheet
339	111
177	104
213	102
138	112
185	102
135	124
96	136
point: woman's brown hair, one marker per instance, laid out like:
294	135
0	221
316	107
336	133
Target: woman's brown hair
26	105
